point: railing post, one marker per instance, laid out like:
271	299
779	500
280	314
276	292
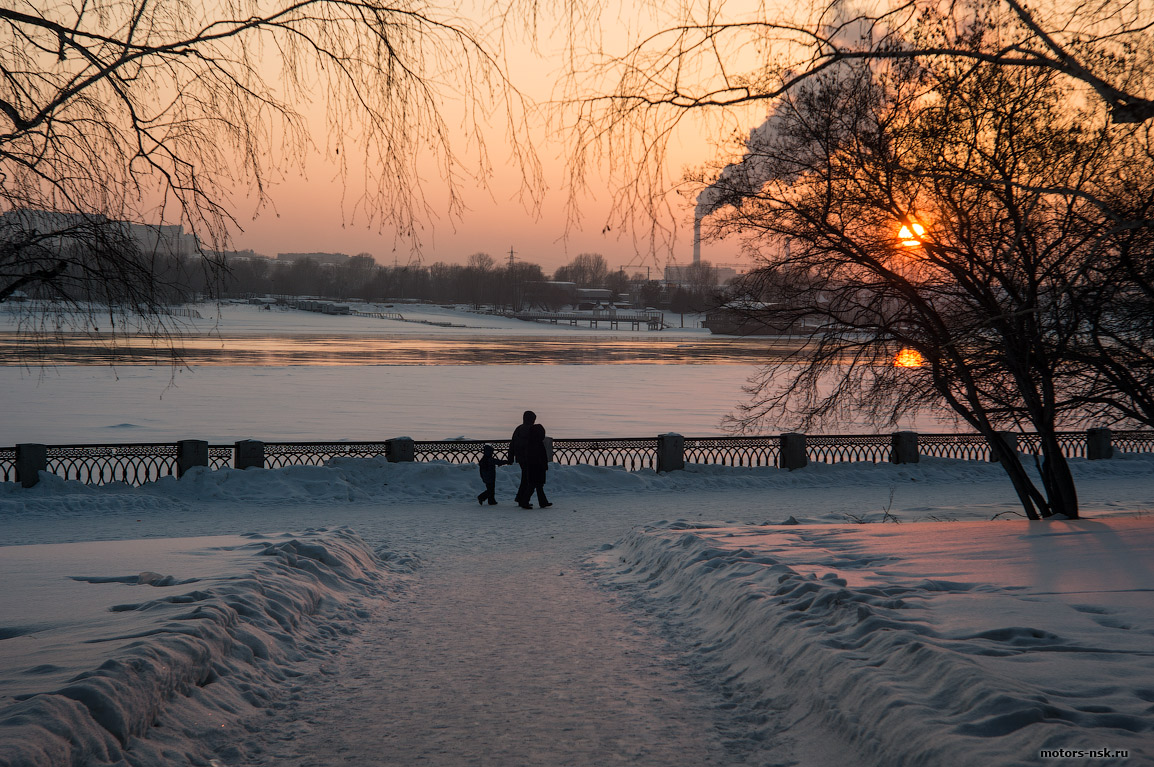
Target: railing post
670	452
190	453
793	451
904	447
1099	444
247	454
548	450
400	450
31	459
1009	439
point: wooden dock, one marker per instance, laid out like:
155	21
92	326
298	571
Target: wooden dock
636	320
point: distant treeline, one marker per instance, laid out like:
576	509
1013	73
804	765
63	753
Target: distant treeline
479	282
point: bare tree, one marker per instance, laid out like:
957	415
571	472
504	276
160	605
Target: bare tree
954	211
155	112
588	270
722	64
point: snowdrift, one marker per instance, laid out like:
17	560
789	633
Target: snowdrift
375	480
187	661
1027	637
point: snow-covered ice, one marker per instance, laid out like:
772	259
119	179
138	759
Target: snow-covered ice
377	398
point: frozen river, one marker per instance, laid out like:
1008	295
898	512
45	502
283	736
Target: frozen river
294	376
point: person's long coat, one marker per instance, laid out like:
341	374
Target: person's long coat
527	446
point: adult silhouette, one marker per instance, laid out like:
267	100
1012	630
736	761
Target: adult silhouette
527	448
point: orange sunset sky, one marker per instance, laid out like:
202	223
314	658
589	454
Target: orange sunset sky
314	212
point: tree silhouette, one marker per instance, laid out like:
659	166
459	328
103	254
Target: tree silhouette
161	112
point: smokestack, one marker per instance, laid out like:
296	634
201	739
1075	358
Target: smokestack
696	240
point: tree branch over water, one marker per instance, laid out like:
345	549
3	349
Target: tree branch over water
167	112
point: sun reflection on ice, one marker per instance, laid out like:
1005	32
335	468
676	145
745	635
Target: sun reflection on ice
908	358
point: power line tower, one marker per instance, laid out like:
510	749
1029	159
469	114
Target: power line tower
511	257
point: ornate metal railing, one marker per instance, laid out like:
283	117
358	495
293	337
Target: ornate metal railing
1073	444
280	454
8	464
1133	441
855	447
733	451
458	450
631	453
220	456
105	464
136	464
965	447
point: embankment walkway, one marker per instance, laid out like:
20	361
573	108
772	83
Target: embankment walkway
502	650
506	658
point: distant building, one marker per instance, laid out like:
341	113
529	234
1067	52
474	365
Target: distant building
759	319
332	259
682	274
591	298
242	255
168	239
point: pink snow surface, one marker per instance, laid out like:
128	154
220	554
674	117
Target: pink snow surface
103	662
966	643
824	644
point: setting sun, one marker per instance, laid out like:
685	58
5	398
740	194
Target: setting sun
911	234
908	358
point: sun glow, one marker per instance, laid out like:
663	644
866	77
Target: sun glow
908	358
911	234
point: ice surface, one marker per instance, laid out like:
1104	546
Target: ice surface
379	399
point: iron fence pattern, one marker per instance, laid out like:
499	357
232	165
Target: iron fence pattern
105	464
136	464
965	447
853	447
1133	442
8	464
458	450
1072	443
631	453
220	457
733	451
280	454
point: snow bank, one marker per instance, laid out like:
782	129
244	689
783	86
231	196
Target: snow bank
963	644
186	660
374	480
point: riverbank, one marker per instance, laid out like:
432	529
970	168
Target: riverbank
594	633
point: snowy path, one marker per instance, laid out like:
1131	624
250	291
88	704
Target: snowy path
488	655
497	658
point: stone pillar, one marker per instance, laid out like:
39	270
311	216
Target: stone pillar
400	450
31	459
189	453
1099	444
670	452
904	447
793	451
247	454
1009	439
